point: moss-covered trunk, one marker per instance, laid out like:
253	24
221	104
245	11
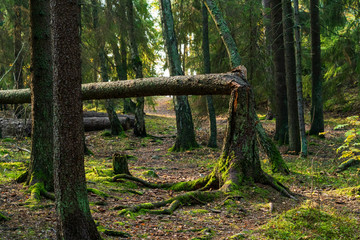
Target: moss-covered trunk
41	163
185	138
139	128
72	205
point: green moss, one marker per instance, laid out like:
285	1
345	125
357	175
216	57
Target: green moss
113	233
98	192
310	223
196	212
150	173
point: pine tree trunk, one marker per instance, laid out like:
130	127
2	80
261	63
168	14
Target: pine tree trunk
267	144
209	100
317	115
41	163
185	138
139	128
116	128
281	132
299	81
290	68
74	217
18	53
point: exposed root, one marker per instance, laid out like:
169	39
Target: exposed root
139	180
22	177
38	190
98	192
113	233
188	198
349	163
268	180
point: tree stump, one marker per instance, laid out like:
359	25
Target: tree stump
120	164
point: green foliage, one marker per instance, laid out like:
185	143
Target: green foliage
350	149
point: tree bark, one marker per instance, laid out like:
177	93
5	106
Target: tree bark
185	138
206	55
41	162
299	81
281	132
290	68
116	128
18	53
139	128
72	205
317	115
265	141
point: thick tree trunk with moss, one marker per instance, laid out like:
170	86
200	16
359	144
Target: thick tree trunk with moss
185	138
72	205
41	163
290	67
139	128
206	55
281	131
317	115
265	141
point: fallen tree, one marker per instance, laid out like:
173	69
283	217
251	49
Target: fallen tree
22	127
239	163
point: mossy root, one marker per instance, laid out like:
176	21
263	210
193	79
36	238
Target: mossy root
345	165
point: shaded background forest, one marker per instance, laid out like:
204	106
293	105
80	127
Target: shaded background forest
340	36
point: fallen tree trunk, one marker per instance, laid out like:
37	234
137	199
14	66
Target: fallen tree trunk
22	128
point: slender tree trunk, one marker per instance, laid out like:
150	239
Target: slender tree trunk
18	53
281	132
271	150
139	128
41	165
116	128
209	100
317	115
185	138
290	68
299	81
72	205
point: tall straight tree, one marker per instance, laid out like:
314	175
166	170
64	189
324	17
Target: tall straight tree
139	128
41	165
185	138
18	52
290	69
270	148
116	128
317	115
206	56
299	80
281	132
72	205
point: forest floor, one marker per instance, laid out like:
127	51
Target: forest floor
327	205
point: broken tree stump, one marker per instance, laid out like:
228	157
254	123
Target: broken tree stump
120	164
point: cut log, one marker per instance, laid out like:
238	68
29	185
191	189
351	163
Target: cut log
22	128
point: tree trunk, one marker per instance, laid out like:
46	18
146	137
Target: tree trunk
41	162
120	164
139	128
317	115
18	53
290	68
116	128
225	33
206	55
265	141
185	138
299	81
74	217
281	132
